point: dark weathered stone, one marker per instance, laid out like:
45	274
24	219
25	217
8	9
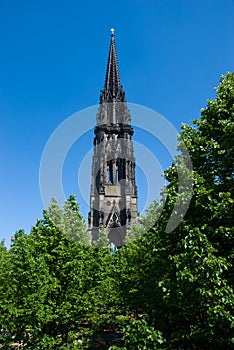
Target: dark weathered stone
113	198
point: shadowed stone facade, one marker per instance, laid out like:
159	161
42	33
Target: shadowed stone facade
113	197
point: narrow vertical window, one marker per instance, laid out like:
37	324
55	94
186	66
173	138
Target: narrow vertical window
117	173
109	172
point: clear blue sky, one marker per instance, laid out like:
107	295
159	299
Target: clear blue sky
53	61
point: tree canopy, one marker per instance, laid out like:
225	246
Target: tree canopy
165	289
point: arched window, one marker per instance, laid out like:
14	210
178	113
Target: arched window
117	172
109	172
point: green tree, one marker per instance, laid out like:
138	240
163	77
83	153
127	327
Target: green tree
48	286
211	146
144	222
181	279
103	240
53	216
53	288
139	335
75	226
7	286
167	289
67	219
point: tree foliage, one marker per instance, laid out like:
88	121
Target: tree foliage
166	289
103	240
184	281
66	219
145	222
51	280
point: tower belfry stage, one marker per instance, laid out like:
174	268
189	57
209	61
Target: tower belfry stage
113	197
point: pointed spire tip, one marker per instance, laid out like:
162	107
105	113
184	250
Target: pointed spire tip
112	32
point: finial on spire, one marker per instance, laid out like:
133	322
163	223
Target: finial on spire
113	88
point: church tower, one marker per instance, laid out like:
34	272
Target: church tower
113	197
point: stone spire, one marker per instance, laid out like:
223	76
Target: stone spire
113	195
113	90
